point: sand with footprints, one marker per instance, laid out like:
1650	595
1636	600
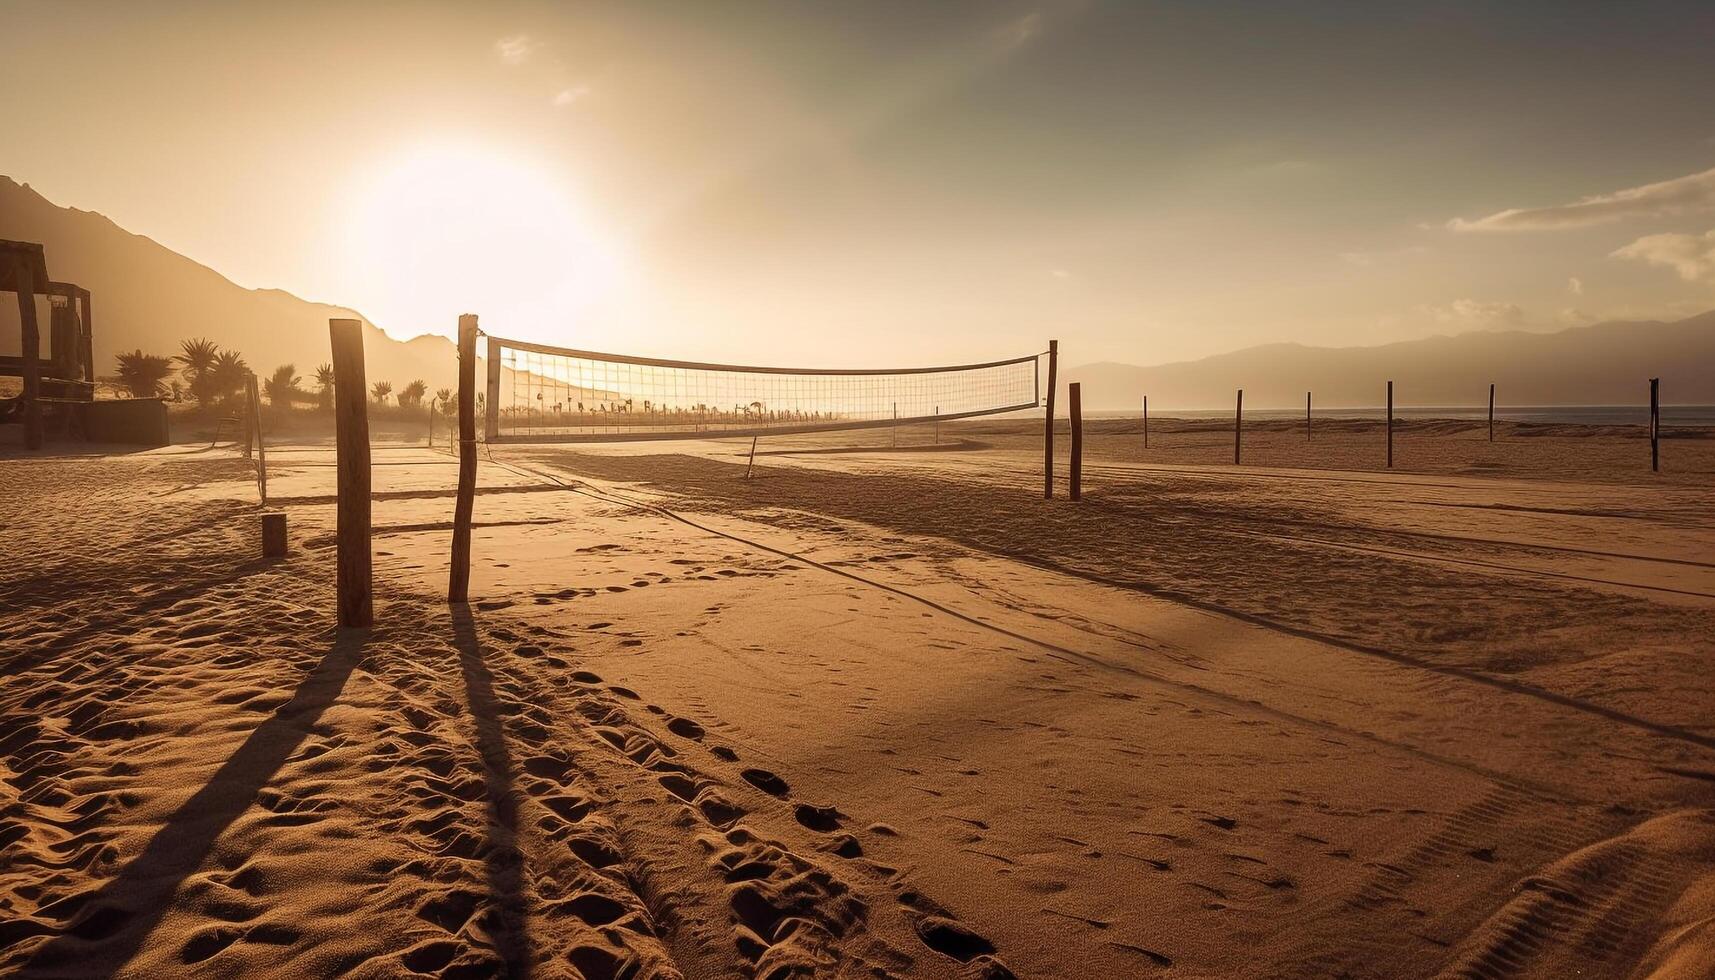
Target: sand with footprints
880	711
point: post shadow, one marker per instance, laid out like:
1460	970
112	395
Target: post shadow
503	861
114	922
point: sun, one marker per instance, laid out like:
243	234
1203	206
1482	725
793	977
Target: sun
446	228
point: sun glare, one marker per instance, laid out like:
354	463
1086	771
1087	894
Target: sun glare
441	230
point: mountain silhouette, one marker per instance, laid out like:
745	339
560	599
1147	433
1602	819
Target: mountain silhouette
145	295
1601	364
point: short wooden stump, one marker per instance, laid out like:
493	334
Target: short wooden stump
273	535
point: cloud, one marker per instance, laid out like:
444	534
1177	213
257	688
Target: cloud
1681	195
567	96
515	50
1472	314
1692	256
1575	285
1371	259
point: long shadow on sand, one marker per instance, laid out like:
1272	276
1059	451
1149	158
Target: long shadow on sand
111	924
504	861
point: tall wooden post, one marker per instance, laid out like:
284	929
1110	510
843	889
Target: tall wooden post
1146	421
1390	425
937	425
30	339
1238	424
1074	404
458	583
249	424
1307	416
1655	425
351	426
893	438
1491	411
1048	422
491	404
254	410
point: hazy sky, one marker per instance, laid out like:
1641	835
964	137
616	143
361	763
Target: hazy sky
868	183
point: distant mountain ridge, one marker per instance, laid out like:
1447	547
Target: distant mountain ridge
145	295
1601	364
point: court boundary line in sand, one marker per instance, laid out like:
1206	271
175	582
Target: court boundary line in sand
1515	782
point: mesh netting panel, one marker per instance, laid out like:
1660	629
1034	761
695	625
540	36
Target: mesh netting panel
547	393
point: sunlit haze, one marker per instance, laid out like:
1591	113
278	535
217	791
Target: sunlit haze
898	182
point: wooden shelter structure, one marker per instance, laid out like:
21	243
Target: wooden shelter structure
67	376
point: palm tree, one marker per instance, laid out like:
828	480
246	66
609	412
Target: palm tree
445	397
142	374
324	386
198	358
412	394
227	375
282	386
380	390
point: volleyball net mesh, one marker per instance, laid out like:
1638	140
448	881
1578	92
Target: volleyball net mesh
538	393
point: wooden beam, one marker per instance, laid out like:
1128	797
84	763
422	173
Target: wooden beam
351	423
458	581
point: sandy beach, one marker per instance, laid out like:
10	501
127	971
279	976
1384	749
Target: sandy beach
876	711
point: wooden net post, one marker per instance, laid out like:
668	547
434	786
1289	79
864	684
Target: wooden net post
491	404
1048	423
1238	424
1307	416
255	412
351	425
1074	405
1491	411
1655	425
1390	425
458	583
1146	421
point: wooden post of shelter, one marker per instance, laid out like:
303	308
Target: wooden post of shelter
30	342
458	582
254	410
1491	411
1238	424
491	404
1390	425
1655	425
1048	423
1075	406
351	425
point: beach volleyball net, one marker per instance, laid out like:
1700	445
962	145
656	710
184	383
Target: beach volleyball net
539	393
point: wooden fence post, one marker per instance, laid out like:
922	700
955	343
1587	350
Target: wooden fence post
1655	425
1238	424
491	404
351	424
937	425
1491	411
30	341
458	583
1074	404
1146	421
255	412
1048	423
1390	425
1307	416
